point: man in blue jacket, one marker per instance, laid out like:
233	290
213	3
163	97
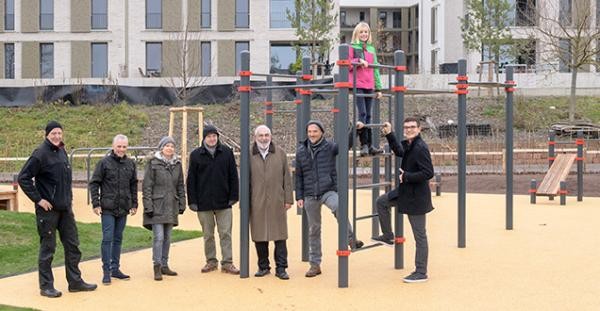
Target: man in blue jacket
316	184
412	196
46	180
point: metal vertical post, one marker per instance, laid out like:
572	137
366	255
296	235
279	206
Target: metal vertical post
341	115
580	143
462	153
269	104
509	146
303	116
305	94
551	153
375	167
399	88
244	165
563	192
532	191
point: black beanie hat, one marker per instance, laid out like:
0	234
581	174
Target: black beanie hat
52	125
317	123
209	129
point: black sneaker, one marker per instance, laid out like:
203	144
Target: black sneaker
375	151
82	287
50	293
262	272
384	240
416	277
355	244
106	279
120	275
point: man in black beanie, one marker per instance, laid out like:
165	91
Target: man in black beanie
52	195
212	188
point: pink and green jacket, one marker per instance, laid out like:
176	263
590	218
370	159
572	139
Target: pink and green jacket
366	78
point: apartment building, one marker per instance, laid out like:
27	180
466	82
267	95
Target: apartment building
141	42
394	24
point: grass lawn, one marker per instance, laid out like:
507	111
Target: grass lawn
11	308
19	242
85	126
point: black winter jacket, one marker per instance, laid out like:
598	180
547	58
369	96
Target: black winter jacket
50	167
315	173
413	194
212	182
113	186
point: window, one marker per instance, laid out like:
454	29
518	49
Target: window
46	60
99	14
46	14
153	59
525	12
434	61
361	16
283	56
239	47
564	55
9	15
242	13
383	19
205	62
565	13
153	14
9	60
343	18
397	20
410	41
205	14
434	25
99	60
278	13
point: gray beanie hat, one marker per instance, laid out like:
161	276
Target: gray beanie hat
317	123
165	140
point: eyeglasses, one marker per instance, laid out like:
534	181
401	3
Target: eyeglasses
408	127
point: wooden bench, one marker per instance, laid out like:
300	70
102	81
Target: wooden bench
558	172
9	200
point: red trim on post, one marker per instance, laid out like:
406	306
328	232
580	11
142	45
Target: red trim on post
400	68
399	89
563	192
269	111
305	92
532	190
339	85
335	110
343	62
579	141
245	73
306	77
462	78
343	253
244	88
579	158
551	142
399	239
298	101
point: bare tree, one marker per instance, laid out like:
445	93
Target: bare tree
569	35
182	63
385	44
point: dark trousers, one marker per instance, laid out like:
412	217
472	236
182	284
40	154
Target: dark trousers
417	223
47	225
363	105
112	238
262	250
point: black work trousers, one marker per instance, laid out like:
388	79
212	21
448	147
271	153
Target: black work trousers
47	224
262	250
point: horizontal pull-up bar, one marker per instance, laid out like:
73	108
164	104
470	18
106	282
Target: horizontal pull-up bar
484	84
377	66
292	86
373	185
275	75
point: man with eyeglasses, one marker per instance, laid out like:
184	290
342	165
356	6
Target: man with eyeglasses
412	196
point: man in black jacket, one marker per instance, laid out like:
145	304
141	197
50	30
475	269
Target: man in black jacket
316	184
113	188
412	196
52	194
212	187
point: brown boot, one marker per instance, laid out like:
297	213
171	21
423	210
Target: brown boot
157	273
313	271
229	268
167	271
210	266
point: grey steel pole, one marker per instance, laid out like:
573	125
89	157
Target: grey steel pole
509	147
244	164
532	191
580	143
302	118
269	104
341	138
563	192
462	151
375	166
399	88
551	154
305	94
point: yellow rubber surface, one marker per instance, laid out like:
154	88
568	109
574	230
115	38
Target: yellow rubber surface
550	261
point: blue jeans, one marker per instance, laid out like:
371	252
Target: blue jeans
363	105
112	237
161	243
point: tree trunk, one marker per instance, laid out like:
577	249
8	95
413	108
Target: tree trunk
572	99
